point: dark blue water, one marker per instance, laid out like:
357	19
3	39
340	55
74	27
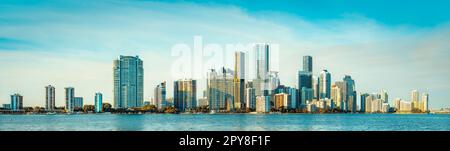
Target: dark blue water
227	122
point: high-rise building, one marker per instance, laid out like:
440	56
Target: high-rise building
315	87
160	96
98	102
305	79
336	95
250	98
339	97
415	99
49	98
325	84
239	80
128	82
70	98
262	60
293	98
368	105
425	99
262	104
377	105
349	93
405	106
307	64
16	102
397	104
363	102
185	94
282	101
261	83
220	90
307	95
384	96
78	103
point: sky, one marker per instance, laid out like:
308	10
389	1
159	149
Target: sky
396	46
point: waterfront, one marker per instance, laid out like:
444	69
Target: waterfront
227	122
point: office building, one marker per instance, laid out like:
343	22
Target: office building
325	85
415	99
250	98
128	82
307	64
220	90
239	80
307	95
49	98
78	103
425	101
363	102
349	94
185	94
160	96
98	102
263	104
70	99
282	101
16	102
384	96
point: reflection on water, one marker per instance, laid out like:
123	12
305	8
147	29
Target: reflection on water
226	122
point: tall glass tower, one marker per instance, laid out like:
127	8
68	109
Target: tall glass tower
49	98
325	84
16	102
70	99
128	82
185	94
98	102
160	95
307	64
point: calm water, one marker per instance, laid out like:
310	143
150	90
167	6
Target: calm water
232	122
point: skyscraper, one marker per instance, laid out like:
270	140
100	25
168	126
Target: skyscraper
128	82
262	104
425	99
415	99
307	94
16	102
261	83
160	95
324	84
98	102
384	96
282	101
363	102
70	98
315	87
250	98
340	103
185	94
307	64
78	103
304	79
336	95
349	93
220	90
239	80
262	60
49	98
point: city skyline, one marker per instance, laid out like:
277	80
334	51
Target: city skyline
367	54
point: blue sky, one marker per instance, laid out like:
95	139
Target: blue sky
398	46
